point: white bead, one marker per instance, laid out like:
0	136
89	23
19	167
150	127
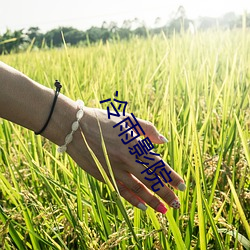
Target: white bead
80	103
69	138
62	149
75	126
79	114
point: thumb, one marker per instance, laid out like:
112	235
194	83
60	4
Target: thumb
151	132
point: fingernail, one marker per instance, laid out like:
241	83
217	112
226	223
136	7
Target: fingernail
175	204
142	207
161	208
181	186
163	138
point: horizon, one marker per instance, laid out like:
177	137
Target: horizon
76	15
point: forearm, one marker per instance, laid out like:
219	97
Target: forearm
27	103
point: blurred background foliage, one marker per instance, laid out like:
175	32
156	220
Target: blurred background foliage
21	40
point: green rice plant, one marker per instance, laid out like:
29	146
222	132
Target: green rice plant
195	89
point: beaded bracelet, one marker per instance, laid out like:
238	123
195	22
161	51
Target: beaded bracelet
74	127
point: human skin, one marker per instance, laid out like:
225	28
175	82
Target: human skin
28	103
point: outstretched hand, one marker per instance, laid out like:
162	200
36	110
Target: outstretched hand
21	97
131	182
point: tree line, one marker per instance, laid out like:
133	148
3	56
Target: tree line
20	40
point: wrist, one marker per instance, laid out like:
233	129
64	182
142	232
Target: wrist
61	121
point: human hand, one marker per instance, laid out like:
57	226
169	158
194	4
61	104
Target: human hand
131	183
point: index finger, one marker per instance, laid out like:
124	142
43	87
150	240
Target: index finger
150	130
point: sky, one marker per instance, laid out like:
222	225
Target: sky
81	14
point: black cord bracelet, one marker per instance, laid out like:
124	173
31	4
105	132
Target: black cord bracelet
58	87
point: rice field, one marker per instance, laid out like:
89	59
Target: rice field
195	89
